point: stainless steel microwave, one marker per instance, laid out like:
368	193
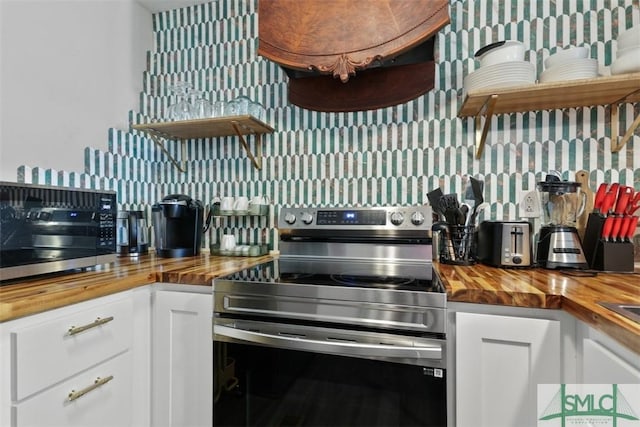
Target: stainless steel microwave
47	229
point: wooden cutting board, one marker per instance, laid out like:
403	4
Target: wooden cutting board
582	177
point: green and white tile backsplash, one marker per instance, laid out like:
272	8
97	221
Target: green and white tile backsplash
387	156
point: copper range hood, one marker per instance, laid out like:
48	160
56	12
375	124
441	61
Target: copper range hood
346	55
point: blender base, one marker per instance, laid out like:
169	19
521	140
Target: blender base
559	247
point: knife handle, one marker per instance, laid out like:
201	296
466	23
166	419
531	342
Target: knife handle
615	229
631	231
607	204
606	228
602	191
623	199
624	228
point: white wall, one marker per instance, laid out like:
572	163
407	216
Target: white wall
69	70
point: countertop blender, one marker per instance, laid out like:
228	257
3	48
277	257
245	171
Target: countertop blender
559	244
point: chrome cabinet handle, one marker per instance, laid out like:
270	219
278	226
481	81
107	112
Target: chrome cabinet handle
77	329
73	395
331	347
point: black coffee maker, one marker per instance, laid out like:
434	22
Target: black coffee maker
177	225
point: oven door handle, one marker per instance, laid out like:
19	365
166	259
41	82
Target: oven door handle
339	347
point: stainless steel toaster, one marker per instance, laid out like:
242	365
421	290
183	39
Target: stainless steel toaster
505	243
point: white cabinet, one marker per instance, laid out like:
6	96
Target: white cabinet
182	356
89	346
499	362
108	404
601	360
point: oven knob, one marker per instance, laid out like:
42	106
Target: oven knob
290	218
397	218
307	218
417	218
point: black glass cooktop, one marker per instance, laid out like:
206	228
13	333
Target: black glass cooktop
346	273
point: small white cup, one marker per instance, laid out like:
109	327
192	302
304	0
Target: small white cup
241	204
228	243
258	204
226	205
260	200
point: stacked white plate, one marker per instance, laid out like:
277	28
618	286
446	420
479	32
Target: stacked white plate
503	74
572	63
628	53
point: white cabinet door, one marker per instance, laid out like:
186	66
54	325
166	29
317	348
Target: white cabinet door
602	360
182	359
500	360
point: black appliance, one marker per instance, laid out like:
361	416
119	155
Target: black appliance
46	229
505	243
133	234
178	226
347	327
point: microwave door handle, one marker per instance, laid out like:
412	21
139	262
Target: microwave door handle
331	347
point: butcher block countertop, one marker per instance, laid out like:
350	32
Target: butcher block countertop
539	288
534	288
45	293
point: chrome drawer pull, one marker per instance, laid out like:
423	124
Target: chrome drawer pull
77	329
97	383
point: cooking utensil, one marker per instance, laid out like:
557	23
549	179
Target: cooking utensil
451	207
477	188
465	210
444	248
434	200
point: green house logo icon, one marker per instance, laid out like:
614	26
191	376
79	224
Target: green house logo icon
584	407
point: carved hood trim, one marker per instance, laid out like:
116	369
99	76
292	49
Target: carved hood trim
373	41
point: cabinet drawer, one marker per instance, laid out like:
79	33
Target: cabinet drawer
108	404
51	351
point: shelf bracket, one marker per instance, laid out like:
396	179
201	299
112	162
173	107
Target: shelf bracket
257	158
481	131
616	141
158	141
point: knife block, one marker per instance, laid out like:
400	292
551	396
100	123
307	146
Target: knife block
603	255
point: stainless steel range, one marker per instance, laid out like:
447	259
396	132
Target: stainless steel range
345	328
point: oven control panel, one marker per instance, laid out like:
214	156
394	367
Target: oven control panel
406	217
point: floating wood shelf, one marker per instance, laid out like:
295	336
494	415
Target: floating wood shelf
612	91
208	128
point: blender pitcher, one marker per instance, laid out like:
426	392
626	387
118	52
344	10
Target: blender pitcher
562	201
559	245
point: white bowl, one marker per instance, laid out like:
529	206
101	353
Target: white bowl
566	55
629	38
634	50
499	52
626	64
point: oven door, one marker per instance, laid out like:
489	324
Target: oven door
277	374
